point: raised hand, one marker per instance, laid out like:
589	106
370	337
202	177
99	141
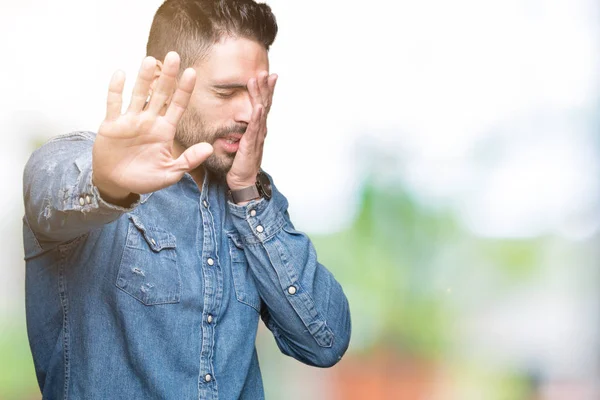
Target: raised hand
133	152
248	158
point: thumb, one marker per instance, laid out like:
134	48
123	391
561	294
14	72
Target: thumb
192	157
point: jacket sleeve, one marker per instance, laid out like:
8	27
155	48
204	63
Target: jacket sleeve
304	306
61	203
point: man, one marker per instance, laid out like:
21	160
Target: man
153	247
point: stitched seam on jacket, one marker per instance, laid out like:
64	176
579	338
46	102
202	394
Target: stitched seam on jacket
303	303
65	328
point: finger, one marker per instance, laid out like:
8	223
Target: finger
190	159
259	138
261	156
263	87
166	83
255	98
142	85
252	130
262	128
182	96
114	100
272	81
271	84
261	144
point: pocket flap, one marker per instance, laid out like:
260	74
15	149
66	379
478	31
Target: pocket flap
235	238
157	239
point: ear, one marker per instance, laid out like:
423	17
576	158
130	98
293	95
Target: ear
157	72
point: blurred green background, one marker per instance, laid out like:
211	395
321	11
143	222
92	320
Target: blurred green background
447	172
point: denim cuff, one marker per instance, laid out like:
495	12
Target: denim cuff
257	221
84	196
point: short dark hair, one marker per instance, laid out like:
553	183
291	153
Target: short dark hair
191	27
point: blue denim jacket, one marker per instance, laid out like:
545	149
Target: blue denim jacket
162	300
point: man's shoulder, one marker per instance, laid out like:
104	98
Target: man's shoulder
73	136
71	145
65	143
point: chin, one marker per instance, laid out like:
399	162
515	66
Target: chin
219	164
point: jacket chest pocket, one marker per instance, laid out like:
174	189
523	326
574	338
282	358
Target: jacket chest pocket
148	269
243	281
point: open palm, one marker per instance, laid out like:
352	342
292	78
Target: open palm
133	151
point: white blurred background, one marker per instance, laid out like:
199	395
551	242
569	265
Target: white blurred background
487	109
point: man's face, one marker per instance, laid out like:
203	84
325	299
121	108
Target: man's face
220	109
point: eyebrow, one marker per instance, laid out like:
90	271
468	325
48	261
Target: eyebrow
229	86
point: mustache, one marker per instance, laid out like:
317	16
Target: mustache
230	129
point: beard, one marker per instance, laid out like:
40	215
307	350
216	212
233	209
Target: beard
192	130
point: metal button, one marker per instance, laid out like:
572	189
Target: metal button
260	229
292	290
210	318
207	378
81	201
204	203
210	261
87	199
253	213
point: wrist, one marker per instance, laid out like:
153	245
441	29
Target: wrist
109	193
260	188
241	193
243	196
240	186
237	182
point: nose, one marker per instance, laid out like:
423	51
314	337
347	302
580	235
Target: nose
243	108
